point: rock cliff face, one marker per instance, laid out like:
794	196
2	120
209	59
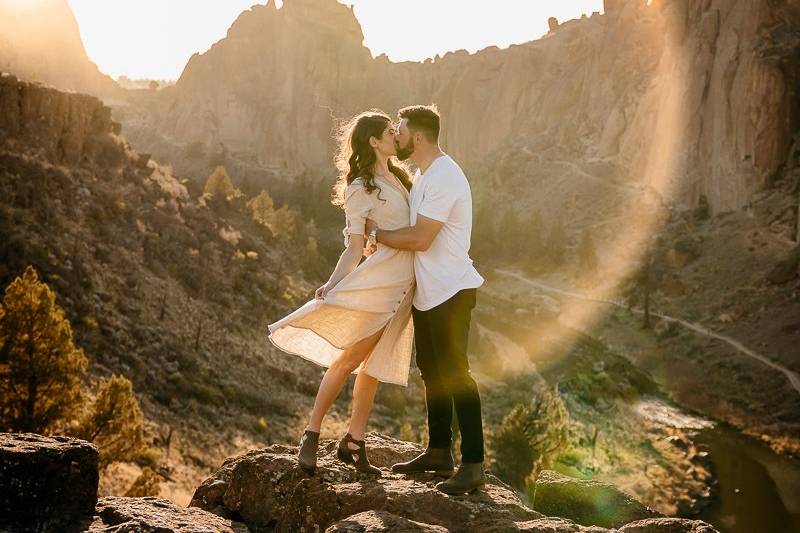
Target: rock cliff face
40	41
64	128
687	97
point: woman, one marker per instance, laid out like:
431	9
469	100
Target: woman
360	320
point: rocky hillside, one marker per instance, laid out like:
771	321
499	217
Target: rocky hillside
40	41
162	284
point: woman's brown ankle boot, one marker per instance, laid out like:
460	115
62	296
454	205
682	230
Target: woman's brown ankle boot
307	455
357	457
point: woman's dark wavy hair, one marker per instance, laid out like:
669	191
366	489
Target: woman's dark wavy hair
355	157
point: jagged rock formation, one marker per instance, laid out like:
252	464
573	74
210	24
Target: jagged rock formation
688	97
267	490
40	41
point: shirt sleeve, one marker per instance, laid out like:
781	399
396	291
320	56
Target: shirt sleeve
357	207
438	200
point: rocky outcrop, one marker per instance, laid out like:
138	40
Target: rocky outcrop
64	128
587	502
265	489
118	514
40	41
688	98
46	483
50	484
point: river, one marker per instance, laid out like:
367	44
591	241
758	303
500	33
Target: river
759	490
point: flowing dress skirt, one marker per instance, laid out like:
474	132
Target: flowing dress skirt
375	294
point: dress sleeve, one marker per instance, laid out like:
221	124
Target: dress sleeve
357	206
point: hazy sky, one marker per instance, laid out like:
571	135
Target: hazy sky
155	38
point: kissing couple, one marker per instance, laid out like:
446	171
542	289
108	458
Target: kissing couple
415	232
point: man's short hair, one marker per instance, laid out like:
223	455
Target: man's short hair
423	118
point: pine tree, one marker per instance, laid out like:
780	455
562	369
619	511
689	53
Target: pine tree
285	223
219	186
530	434
114	422
40	367
263	210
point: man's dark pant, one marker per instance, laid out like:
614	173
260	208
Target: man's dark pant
440	337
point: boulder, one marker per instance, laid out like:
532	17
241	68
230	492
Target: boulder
46	483
151	514
587	502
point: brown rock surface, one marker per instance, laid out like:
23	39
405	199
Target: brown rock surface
119	514
667	525
265	489
46	483
64	128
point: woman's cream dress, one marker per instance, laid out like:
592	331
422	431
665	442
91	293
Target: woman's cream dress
377	293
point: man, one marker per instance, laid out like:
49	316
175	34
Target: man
440	232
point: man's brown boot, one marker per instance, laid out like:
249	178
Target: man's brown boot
437	460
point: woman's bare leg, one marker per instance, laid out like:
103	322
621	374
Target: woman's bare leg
336	376
363	397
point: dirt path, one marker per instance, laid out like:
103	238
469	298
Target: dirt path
793	377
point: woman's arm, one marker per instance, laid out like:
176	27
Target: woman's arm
348	261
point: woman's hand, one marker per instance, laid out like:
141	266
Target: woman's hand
322	291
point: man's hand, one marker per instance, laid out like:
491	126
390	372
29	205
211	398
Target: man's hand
369	225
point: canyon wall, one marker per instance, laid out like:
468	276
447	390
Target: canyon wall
683	97
68	129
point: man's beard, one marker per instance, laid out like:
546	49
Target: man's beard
405	153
